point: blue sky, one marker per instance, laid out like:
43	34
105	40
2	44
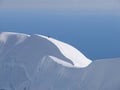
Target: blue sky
92	26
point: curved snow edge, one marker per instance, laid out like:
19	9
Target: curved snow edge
78	59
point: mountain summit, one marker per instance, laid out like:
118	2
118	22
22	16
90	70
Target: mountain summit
17	45
37	62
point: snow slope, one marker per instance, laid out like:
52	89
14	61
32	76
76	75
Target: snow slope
78	59
36	62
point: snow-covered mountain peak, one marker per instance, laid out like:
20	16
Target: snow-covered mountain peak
36	62
78	59
44	44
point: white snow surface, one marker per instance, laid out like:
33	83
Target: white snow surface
78	59
37	62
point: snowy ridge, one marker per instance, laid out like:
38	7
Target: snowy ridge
78	59
4	36
73	55
36	62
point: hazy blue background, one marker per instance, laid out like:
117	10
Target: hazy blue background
92	26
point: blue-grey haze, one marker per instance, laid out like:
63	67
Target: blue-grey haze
95	35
